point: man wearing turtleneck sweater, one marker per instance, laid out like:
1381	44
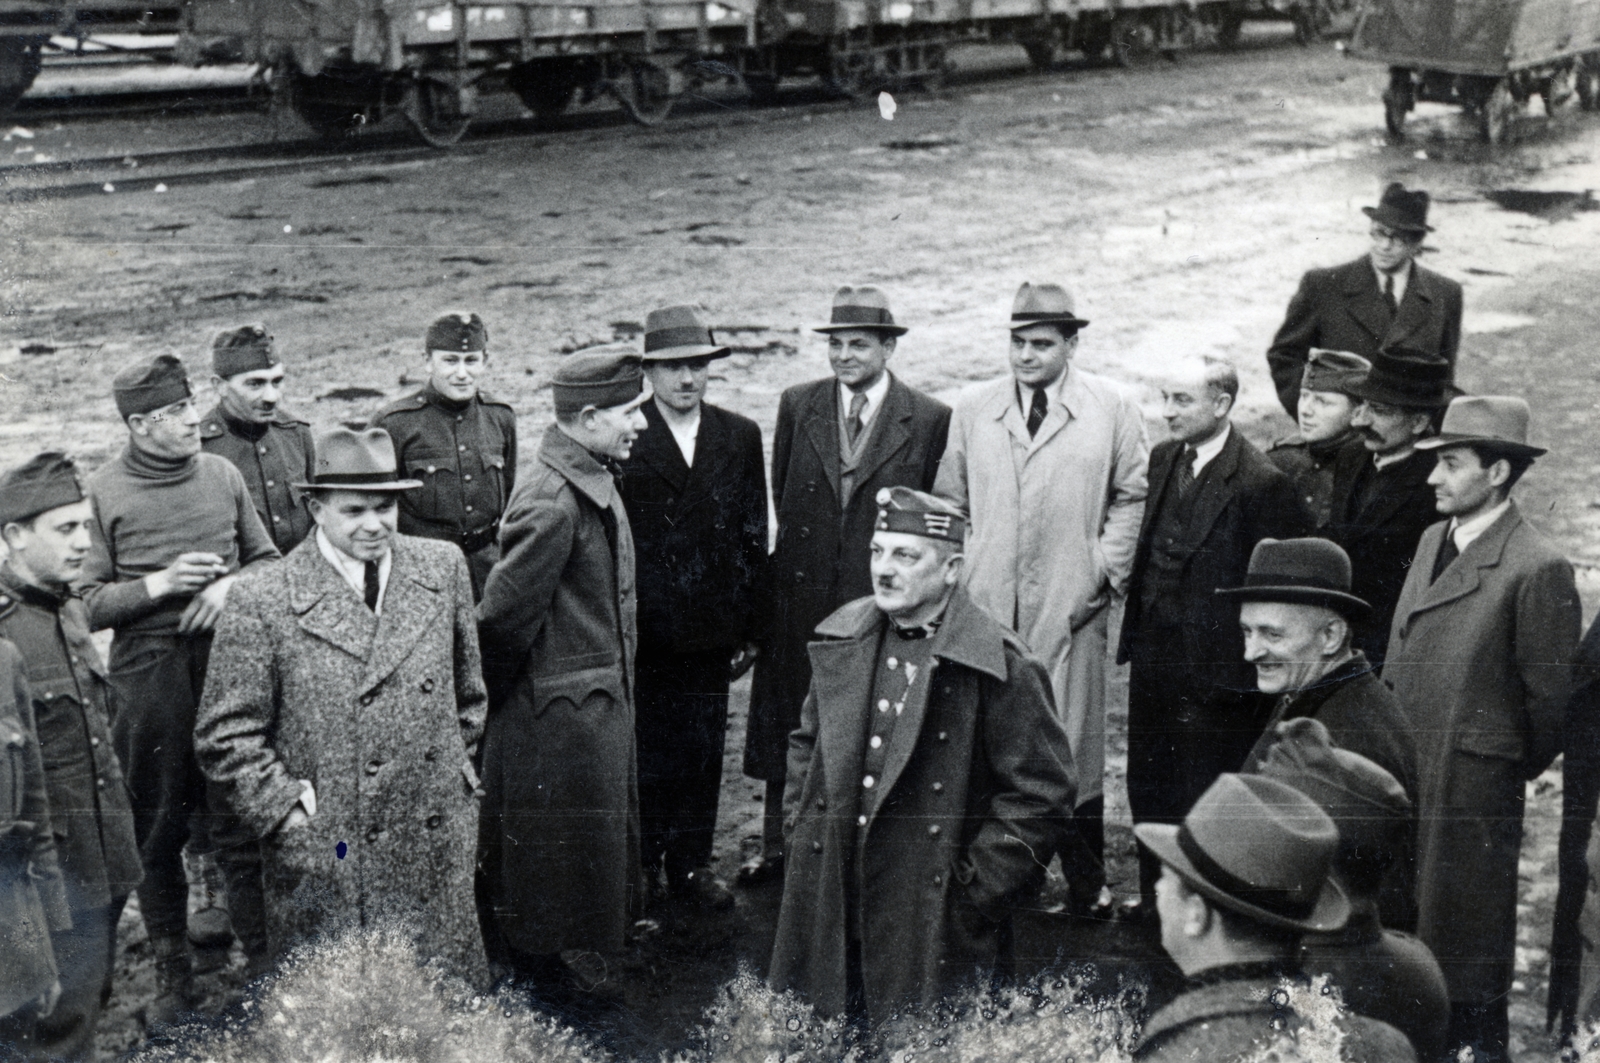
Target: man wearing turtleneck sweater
175	527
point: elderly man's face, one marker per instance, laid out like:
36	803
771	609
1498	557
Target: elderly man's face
910	573
1324	415
362	524
1387	429
251	398
1291	645
1194	410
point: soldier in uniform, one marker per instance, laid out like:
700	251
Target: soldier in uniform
460	442
1326	407
272	449
44	518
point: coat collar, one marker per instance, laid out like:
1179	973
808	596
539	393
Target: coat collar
968	636
1244	990
1466	574
890	429
659	450
1067	400
1406	480
579	467
1306	701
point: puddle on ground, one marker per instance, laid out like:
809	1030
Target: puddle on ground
1551	206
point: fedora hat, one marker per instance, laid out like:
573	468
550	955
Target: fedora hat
1400	209
862	307
674	333
1412	379
1302	572
1257	847
1044	304
1495	422
350	459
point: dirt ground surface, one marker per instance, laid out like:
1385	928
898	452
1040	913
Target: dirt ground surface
1180	203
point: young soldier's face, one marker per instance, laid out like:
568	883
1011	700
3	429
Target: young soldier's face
53	547
454	374
170	432
1324	415
362	524
251	397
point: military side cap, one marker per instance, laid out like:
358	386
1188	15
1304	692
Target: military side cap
1366	803
1258	847
456	331
350	459
1401	209
1338	371
242	350
601	377
1044	304
675	333
900	509
1301	572
1498	423
150	385
861	307
42	483
1411	379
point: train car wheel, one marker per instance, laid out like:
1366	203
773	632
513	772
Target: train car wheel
763	88
1558	89
1497	114
1588	86
19	65
1133	40
1041	54
645	93
1228	27
546	93
436	111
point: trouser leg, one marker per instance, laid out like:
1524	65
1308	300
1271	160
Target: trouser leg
772	820
1083	854
239	858
67	1033
681	720
1161	696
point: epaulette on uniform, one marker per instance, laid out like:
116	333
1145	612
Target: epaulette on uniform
490	400
407	403
1292	440
283	417
211	428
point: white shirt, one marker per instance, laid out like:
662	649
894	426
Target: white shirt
1402	280
874	395
1383	461
1466	532
684	431
355	572
1205	452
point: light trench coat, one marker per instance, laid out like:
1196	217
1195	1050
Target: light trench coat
1054	521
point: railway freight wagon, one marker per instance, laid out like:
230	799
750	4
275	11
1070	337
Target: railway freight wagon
29	27
1487	56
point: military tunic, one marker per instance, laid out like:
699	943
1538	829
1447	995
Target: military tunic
272	458
1309	467
465	454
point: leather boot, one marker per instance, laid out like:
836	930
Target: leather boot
174	988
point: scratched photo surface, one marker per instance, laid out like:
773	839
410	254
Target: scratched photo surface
158	193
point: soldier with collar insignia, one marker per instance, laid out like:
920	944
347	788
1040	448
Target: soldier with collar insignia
270	447
460	442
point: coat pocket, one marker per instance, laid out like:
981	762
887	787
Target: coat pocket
587	688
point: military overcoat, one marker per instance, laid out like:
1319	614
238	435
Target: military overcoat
560	833
976	790
382	715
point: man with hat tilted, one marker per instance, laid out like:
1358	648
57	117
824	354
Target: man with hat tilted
1326	405
45	519
1480	655
1382	299
695	488
838	441
1380	501
1243	876
459	441
341	716
1049	463
175	528
1382	973
928	774
560	837
249	427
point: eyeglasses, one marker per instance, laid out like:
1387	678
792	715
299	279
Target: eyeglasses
1380	235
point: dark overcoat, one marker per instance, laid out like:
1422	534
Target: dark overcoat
560	837
1481	659
1342	308
820	561
382	715
1243	499
1385	975
699	533
1381	535
977	786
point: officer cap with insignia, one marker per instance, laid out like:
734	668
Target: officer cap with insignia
458	330
44	482
244	349
602	377
900	509
150	385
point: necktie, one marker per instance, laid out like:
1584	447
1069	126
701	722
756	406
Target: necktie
1388	292
1448	552
371	581
1186	473
1036	411
858	405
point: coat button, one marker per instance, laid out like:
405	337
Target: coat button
861	821
263	449
462	447
799	577
100	781
868	782
95	741
373	833
432	754
469	509
367	698
434	821
805	533
277	519
467	477
938	787
944	736
938	880
822	803
934	830
816	847
433	468
427	685
373	766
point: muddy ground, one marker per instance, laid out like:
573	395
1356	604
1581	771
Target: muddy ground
1181	203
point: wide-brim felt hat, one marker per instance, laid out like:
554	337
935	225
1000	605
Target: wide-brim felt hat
1302	572
1495	422
676	333
351	459
1401	209
1044	304
863	307
1410	379
1260	848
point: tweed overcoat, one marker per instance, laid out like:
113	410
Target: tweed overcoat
1481	659
820	561
1054	522
560	838
1343	309
382	715
977	785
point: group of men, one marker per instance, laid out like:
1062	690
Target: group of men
387	679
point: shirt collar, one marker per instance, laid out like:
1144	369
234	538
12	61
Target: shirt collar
1055	392
355	572
874	395
1465	532
1205	452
